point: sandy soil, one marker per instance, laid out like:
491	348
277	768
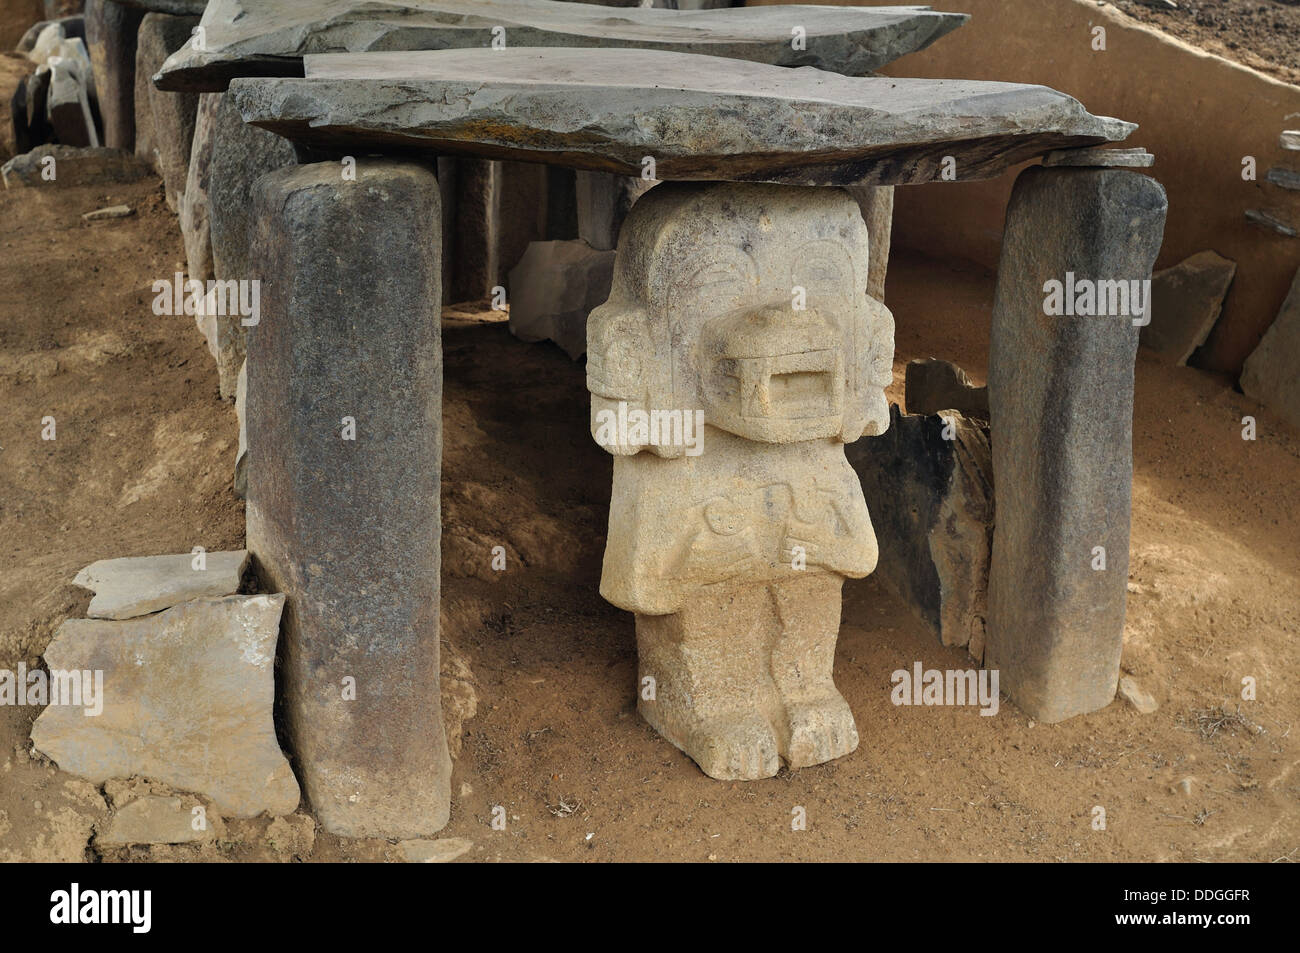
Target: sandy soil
142	464
1263	34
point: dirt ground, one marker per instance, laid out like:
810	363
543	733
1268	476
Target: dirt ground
142	464
1263	34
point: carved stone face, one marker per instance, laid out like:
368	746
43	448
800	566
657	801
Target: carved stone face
748	301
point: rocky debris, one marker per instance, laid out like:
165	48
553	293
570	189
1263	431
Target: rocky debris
719	119
111	37
1101	158
1290	140
138	585
57	102
1134	694
1061	405
1270	373
1185	302
194	218
71	26
343	514
1275	220
928	482
441	851
164	122
1284	178
262	37
54	827
107	213
67	106
158	820
932	386
186	700
241	154
553	289
72	166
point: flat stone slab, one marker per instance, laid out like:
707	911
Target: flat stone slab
138	585
1284	178
186	699
270	37
1290	140
719	119
154	820
1185	302
1269	374
1102	158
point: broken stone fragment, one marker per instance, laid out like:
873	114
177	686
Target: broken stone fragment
1284	178
72	166
1275	220
928	482
1290	140
1185	302
1135	695
138	585
109	212
441	851
1270	374
158	820
932	386
553	289
186	698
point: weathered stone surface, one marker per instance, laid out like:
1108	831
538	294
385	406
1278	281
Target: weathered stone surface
441	851
194	216
932	386
110	36
241	456
350	528
137	585
1275	220
1290	140
69	26
167	119
240	155
731	542
269	37
554	288
73	166
1270	374
718	119
497	209
68	103
928	483
1284	178
603	202
1185	302
1061	402
155	820
1135	695
1101	158
187	698
877	206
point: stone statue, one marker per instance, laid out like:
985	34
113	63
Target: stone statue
737	354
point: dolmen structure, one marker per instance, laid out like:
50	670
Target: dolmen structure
738	352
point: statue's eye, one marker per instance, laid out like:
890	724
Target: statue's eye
820	272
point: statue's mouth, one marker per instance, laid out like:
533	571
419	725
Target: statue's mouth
795	386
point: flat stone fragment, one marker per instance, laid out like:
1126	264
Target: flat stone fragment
270	37
553	289
111	37
1185	302
138	585
1135	695
928	483
441	851
932	386
1284	178
1275	220
72	166
1101	158
344	446
1290	140
1270	373
1061	405
731	540
719	119
155	820
187	697
168	117
109	212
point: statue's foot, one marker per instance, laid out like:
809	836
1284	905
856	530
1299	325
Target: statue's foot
740	747
821	730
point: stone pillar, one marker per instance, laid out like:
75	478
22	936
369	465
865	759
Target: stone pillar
1061	409
110	37
344	434
877	205
164	122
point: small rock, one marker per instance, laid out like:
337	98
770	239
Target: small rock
1102	158
1290	140
1133	693
1185	302
1284	178
439	851
72	166
157	820
932	386
112	211
1274	220
293	834
1185	786
138	585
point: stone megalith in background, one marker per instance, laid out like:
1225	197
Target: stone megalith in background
164	122
111	30
1061	360
344	427
731	539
